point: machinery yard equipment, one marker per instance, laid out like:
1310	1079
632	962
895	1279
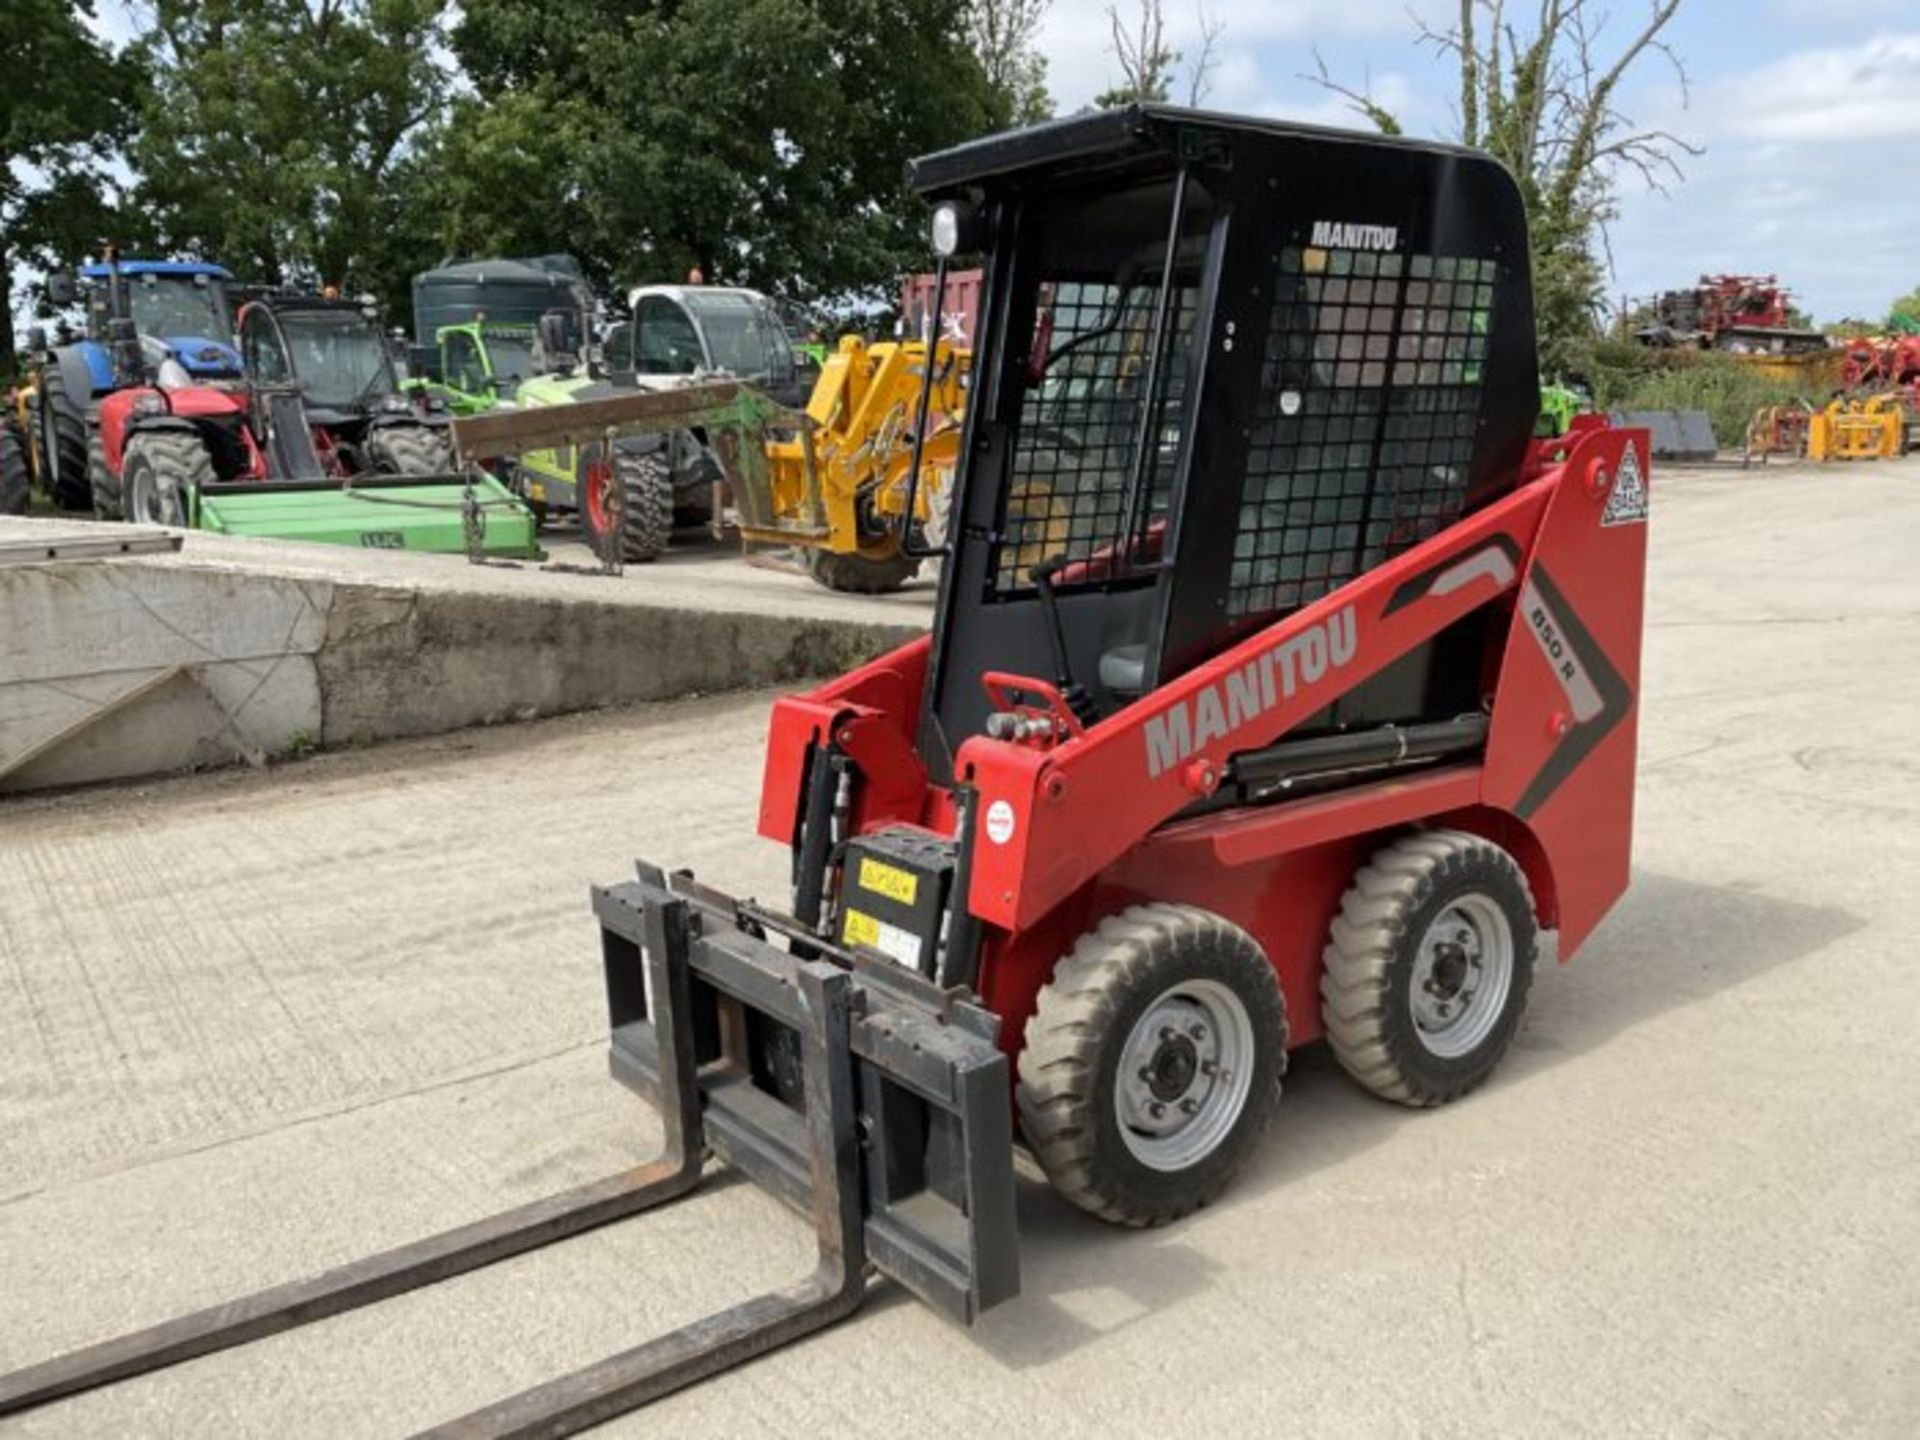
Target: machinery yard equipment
1778	430
1868	428
1746	314
290	445
1281	688
677	335
330	356
142	316
874	415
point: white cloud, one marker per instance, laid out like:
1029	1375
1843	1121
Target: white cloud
1856	92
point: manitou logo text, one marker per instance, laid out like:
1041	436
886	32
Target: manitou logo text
1249	692
1338	235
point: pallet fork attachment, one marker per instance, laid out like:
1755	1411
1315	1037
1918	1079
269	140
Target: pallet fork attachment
881	1066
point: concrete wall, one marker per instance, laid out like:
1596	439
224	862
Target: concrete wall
135	666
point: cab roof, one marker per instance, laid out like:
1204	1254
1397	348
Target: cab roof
1095	137
158	267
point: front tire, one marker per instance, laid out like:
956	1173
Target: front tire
1428	966
1152	1063
409	450
859	574
160	470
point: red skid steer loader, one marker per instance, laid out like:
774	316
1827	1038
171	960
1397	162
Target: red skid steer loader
1281	688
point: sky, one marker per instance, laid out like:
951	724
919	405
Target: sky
1808	112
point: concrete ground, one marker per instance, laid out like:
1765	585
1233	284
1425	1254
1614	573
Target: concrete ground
258	1023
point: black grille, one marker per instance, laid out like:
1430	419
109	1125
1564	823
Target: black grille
1080	428
1369	409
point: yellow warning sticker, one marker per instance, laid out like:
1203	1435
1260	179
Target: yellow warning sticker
888	880
860	929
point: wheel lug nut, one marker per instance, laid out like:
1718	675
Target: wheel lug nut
1198	1032
1189	1107
1166	1032
1156	1109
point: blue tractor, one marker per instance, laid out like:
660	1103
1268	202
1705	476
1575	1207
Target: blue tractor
141	315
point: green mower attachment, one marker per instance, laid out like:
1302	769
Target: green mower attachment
392	512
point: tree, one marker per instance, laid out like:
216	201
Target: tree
1904	313
1146	60
66	101
1003	34
1541	95
1209	28
763	141
275	135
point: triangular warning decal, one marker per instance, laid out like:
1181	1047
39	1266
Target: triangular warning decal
1627	505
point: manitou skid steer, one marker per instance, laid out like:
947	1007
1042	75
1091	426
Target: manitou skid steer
1281	688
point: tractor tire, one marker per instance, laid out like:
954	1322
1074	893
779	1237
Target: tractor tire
159	468
104	485
646	504
1152	1063
410	450
1428	966
857	574
16	478
63	443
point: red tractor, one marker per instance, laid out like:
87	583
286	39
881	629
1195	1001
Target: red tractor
1282	690
320	402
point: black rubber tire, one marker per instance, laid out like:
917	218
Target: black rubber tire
857	574
63	443
410	450
1076	1040
646	504
16	477
179	460
104	485
1367	979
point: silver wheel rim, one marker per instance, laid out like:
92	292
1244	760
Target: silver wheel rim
1185	1073
1461	976
151	503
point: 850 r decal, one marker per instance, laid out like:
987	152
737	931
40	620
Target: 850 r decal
1596	694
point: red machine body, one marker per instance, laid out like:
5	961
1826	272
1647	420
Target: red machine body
1080	825
199	408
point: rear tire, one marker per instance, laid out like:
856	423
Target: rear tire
646	504
410	450
63	443
161	467
16	478
857	574
1428	966
1152	1063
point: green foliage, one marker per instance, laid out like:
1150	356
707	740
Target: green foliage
1623	375
275	135
65	102
763	141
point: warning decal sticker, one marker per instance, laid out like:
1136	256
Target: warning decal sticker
1627	505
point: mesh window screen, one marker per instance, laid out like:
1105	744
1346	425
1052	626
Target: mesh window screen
1081	426
1370	402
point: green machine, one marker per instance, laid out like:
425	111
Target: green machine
1558	405
433	513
